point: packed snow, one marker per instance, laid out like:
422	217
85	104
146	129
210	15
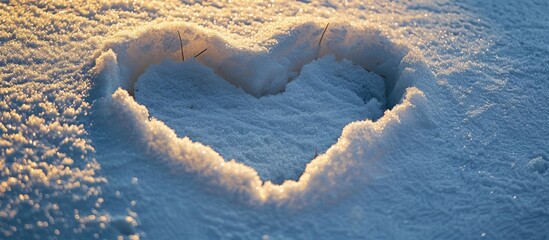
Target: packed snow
306	118
409	120
369	49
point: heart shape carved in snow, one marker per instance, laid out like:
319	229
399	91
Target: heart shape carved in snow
261	69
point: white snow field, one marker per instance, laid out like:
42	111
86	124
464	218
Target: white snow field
410	120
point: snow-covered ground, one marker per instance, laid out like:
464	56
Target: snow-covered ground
306	117
410	120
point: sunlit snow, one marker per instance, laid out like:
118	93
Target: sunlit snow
409	120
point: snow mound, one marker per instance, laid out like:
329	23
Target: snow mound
260	69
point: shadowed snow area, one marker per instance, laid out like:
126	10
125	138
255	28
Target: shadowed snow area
346	89
456	148
275	134
259	68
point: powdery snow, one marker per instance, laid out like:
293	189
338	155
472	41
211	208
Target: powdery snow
276	134
90	149
337	171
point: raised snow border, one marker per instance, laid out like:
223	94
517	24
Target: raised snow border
263	68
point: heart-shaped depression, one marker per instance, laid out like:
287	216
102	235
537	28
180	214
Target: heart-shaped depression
261	70
275	134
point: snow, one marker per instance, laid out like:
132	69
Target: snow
307	117
259	68
399	67
97	140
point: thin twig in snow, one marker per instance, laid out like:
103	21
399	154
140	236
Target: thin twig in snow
323	32
320	41
181	44
200	53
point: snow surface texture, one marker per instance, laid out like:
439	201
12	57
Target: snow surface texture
331	172
467	161
277	134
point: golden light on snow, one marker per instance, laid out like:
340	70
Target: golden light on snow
327	172
81	156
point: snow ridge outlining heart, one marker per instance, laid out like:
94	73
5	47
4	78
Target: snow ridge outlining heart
340	169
